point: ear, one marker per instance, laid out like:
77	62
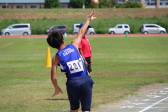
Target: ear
62	41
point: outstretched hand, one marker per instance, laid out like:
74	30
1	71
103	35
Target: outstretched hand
57	91
91	15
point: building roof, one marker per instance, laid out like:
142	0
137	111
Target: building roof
29	1
64	1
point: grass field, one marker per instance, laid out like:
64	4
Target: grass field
121	66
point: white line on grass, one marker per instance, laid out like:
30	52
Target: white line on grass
66	109
153	105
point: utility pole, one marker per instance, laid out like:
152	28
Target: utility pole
83	4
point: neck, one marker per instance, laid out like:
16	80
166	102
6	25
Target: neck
61	47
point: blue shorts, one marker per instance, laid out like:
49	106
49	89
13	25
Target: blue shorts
79	90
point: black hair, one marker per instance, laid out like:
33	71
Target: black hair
55	39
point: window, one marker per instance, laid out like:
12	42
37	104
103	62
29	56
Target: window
134	0
56	27
20	26
152	26
150	3
19	7
77	26
61	27
125	26
119	26
63	6
33	7
4	7
121	1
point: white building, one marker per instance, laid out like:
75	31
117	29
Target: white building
149	3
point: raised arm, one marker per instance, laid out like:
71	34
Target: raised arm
83	29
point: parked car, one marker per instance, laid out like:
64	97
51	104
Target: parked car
17	29
119	29
75	29
57	28
152	28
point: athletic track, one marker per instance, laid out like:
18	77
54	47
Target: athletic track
95	35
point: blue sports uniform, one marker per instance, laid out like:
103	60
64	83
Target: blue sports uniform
79	83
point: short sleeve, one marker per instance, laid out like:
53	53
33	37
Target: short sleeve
80	45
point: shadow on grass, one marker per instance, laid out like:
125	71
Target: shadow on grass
55	99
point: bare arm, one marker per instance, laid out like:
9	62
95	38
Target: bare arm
83	29
55	61
80	50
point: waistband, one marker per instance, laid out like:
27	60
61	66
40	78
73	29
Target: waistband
77	78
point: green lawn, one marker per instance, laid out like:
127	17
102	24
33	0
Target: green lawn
121	66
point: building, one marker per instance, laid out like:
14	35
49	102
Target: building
149	3
28	4
65	3
38	4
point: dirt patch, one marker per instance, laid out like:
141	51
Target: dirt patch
79	13
151	98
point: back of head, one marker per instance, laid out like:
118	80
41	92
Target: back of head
55	39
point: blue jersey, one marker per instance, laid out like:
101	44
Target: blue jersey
72	62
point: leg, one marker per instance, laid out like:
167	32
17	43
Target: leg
89	69
74	111
86	94
73	94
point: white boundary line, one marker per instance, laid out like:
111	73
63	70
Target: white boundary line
66	109
153	104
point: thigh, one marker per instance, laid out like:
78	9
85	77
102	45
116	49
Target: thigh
86	93
73	91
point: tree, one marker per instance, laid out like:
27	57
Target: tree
76	3
52	4
80	3
107	3
129	4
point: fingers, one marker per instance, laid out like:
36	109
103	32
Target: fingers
91	15
86	63
93	18
53	95
57	92
92	12
61	90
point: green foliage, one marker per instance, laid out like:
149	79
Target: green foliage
101	31
38	26
76	3
134	29
129	4
80	3
107	3
52	4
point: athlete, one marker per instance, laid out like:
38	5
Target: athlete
79	83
